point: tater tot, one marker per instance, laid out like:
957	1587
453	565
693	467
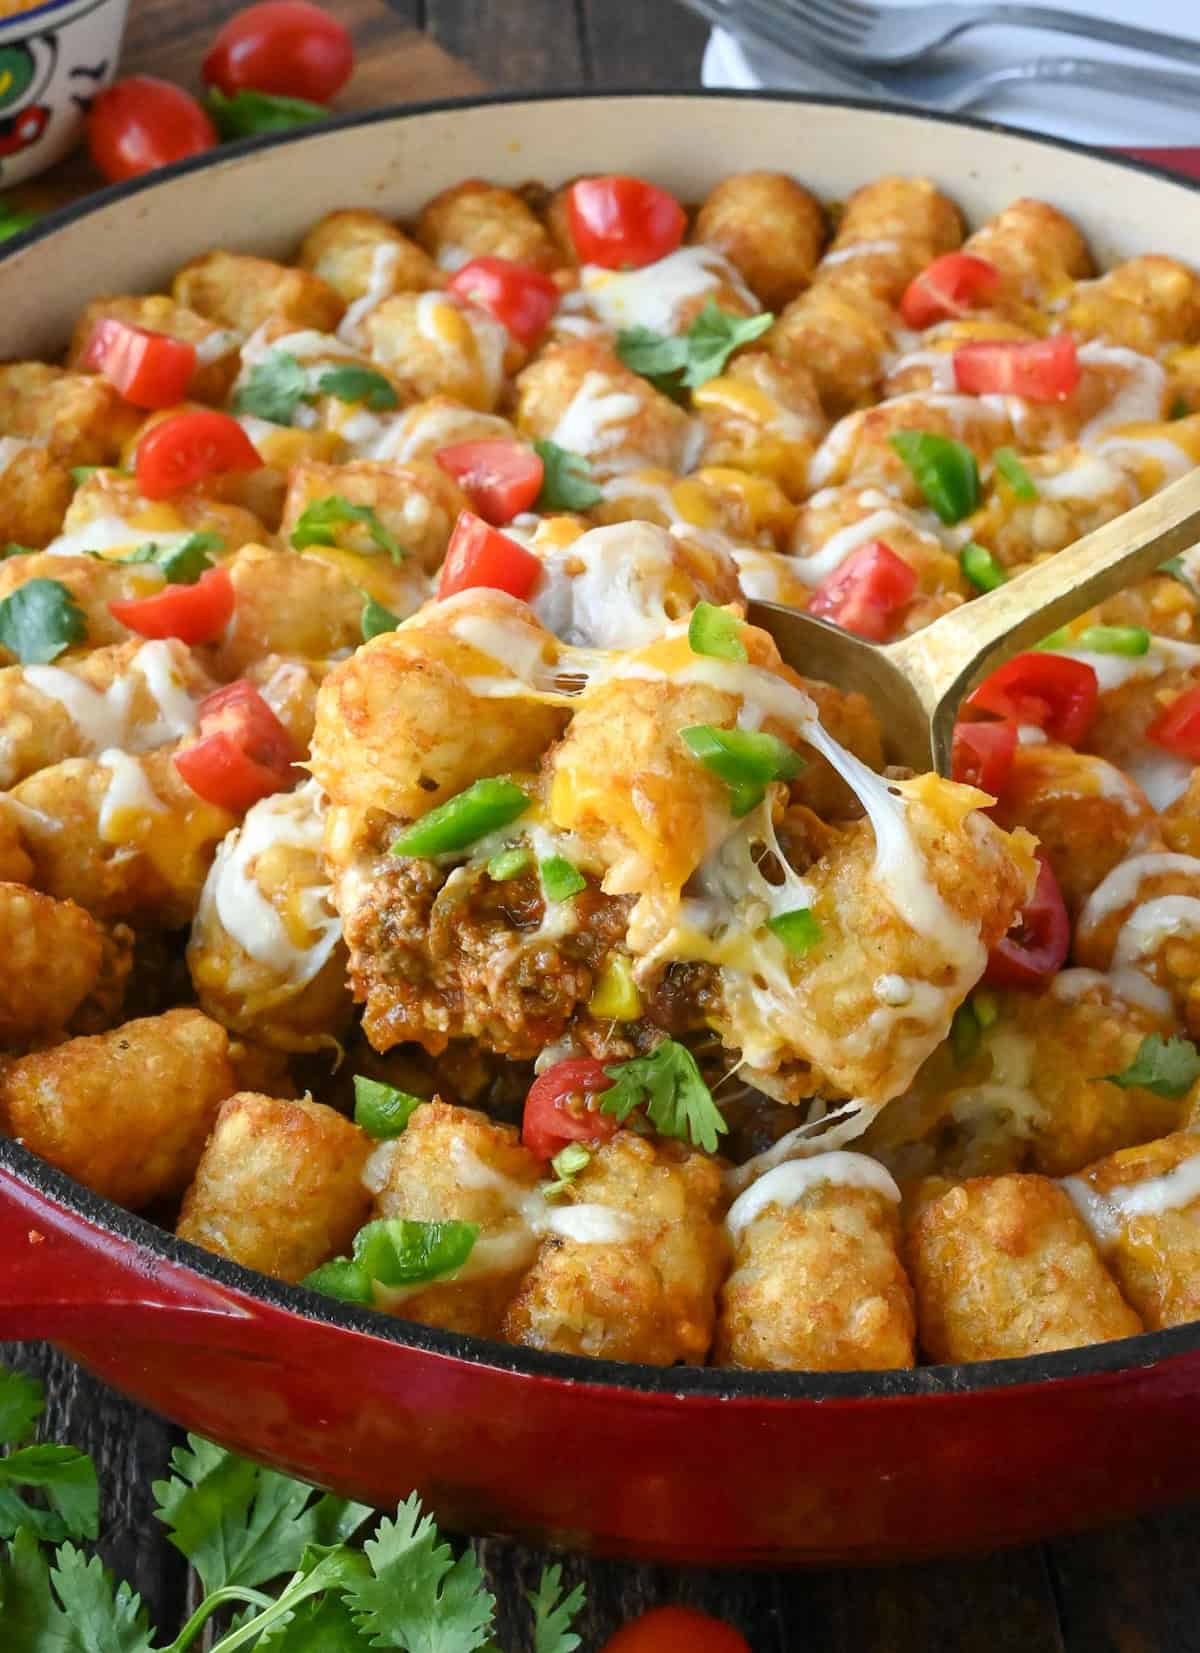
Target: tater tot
92	583
418	504
216	348
1003	1266
279	1185
1038	251
53	955
1143	304
1143	917
1142	1206
480	220
762	414
241	292
436	344
108	501
456	1164
79	417
361	253
770	227
126	1113
817	1282
35	491
630	1270
583	397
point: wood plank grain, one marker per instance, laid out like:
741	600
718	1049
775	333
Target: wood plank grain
1132	1589
131	1449
532	44
657	44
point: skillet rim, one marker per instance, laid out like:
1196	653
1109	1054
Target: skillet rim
699	1384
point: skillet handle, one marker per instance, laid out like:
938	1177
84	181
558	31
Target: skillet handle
59	1272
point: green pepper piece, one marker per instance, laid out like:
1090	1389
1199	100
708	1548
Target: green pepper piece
1129	640
798	930
980	567
348	1282
382	1110
744	759
482	808
714	631
560	878
508	864
1015	474
944	470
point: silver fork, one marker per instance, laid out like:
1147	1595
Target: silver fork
859	32
950	89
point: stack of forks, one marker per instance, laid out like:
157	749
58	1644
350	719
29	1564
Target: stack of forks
894	53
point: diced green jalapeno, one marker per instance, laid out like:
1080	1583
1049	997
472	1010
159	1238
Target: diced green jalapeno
348	1282
397	1252
798	930
943	469
560	879
980	567
744	759
1015	474
714	631
482	808
1131	640
509	863
382	1110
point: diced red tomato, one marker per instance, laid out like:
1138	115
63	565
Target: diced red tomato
1040	370
194	613
503	478
982	754
151	370
677	1630
288	47
243	752
1051	690
623	223
1037	945
948	289
141	123
561	1107
868	593
191	447
521	297
478	555
1177	727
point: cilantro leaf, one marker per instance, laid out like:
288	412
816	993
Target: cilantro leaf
247	112
32	1619
714	336
419	1598
668	1084
1177	569
241	1524
181	564
21	1405
39	620
553	1612
676	364
376	619
1168	1067
276	387
566	481
106	1618
12	549
321	1625
315	526
68	1479
358	384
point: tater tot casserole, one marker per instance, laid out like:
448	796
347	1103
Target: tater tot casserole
421	881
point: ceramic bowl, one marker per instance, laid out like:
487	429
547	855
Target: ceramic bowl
53	60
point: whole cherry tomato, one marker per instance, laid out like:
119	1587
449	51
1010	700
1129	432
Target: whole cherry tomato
142	123
287	47
561	1107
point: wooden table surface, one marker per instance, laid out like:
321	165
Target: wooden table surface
1130	1589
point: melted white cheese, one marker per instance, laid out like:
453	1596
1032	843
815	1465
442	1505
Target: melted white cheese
1107	1214
129	794
1140	392
595	419
381	280
787	1184
105	719
608	588
655	295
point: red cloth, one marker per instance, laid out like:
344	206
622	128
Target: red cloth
1174	160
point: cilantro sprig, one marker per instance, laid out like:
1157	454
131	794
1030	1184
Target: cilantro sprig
1168	1067
317	522
670	1089
181	564
39	620
283	1553
246	113
674	364
566	480
277	385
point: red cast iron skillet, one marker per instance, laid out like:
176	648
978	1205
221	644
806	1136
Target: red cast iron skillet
682	1465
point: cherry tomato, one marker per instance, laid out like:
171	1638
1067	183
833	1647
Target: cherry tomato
243	752
151	370
982	754
947	289
288	47
867	593
623	223
1177	726
561	1107
191	447
518	295
503	478
194	613
1055	692
1037	945
141	123
478	555
1041	370
677	1630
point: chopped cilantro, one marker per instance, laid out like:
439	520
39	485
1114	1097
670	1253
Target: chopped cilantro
39	620
316	523
376	619
669	1086
1168	1067
274	390
686	361
353	383
566	480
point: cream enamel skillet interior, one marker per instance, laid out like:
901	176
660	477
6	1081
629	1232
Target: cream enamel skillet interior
681	1464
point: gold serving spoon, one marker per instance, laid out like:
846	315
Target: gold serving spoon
917	684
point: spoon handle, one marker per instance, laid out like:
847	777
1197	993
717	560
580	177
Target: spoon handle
946	659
